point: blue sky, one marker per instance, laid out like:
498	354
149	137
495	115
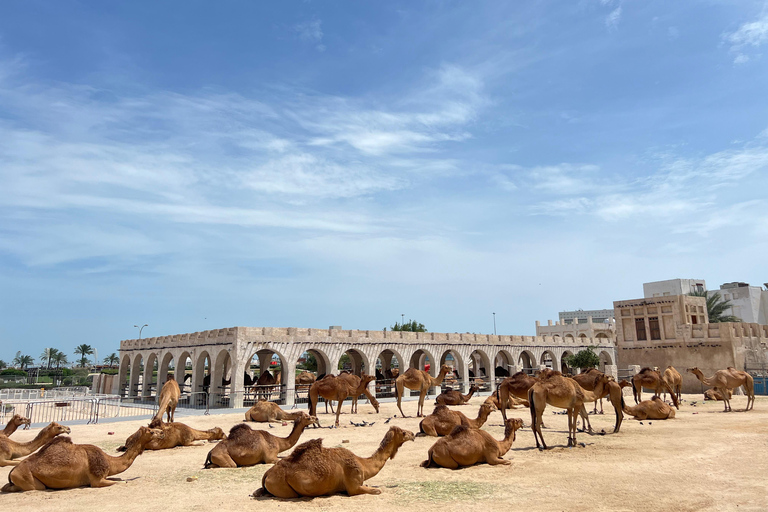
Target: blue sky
194	166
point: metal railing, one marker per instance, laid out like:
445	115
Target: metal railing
385	388
89	408
39	393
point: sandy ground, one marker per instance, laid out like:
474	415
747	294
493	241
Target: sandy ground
702	460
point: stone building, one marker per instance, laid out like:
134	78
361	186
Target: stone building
584	330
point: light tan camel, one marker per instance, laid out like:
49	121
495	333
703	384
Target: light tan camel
312	470
305	378
515	385
726	380
339	388
454	397
555	389
587	380
612	390
61	464
178	434
443	420
266	384
466	446
599	384
247	447
269	412
653	409
17	421
512	401
712	394
651	379
10	449
418	380
674	380
355	382
169	398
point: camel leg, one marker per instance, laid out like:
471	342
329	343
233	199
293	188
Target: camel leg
573	421
22	479
503	398
338	411
220	459
9	463
422	396
584	419
495	460
400	389
276	485
102	482
354	478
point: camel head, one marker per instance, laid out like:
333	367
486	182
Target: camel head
156	423
217	434
56	429
512	425
474	388
488	407
20	421
366	379
624	383
395	438
693	370
305	420
445	369
143	436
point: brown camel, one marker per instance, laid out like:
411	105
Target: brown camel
178	434
17	421
269	412
355	382
169	398
587	380
712	394
674	380
454	397
443	420
555	389
651	379
725	380
466	446
247	447
612	390
312	470
305	378
61	464
339	388
515	385
512	401
653	409
266	384
418	380
10	449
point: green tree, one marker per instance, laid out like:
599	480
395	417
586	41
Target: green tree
84	351
344	360
111	359
583	359
22	360
410	325
47	356
716	307
3	365
60	358
310	363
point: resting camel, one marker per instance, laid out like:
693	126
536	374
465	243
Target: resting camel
653	409
339	388
177	434
651	379
443	420
512	401
418	380
453	397
516	385
674	380
17	421
712	394
559	391
312	470
10	449
269	412
466	446
169	398
247	447
725	380
61	464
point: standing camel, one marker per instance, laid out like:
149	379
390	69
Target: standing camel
466	446
10	449
313	470
516	385
418	380
354	382
725	380
339	388
674	380
651	379
587	381
169	399
61	464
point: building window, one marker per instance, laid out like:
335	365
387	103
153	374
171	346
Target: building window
640	329
694	319
653	324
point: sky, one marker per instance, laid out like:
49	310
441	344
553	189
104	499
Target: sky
194	165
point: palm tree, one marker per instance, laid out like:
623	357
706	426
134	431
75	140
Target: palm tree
3	365
60	358
111	359
84	351
48	355
716	307
21	360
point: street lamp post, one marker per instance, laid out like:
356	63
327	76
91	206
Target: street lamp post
494	324
141	328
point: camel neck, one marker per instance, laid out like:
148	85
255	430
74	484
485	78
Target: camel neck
119	464
10	429
506	443
373	464
482	416
469	395
31	446
286	443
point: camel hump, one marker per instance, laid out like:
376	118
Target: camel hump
239	430
460	431
308	449
646	369
440	409
55	442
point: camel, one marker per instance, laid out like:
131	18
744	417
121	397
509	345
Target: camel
512	401
339	388
725	380
17	421
516	385
267	379
653	409
587	381
651	379
305	378
559	391
178	434
392	374
453	397
418	380
599	384
466	446
674	380
10	449
443	420
61	464
612	390
313	470
247	447
269	412
355	382
169	398
711	394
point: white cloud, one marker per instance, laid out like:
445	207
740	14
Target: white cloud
312	32
613	19
752	34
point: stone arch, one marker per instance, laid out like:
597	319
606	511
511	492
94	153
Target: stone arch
480	364
266	356
323	363
180	372
502	361
527	361
166	365
564	367
422	357
602	336
548	359
605	359
453	359
221	378
136	370
124	376
358	362
202	369
149	387
569	338
582	337
388	360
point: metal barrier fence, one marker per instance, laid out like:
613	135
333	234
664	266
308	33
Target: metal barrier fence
39	393
90	409
385	388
